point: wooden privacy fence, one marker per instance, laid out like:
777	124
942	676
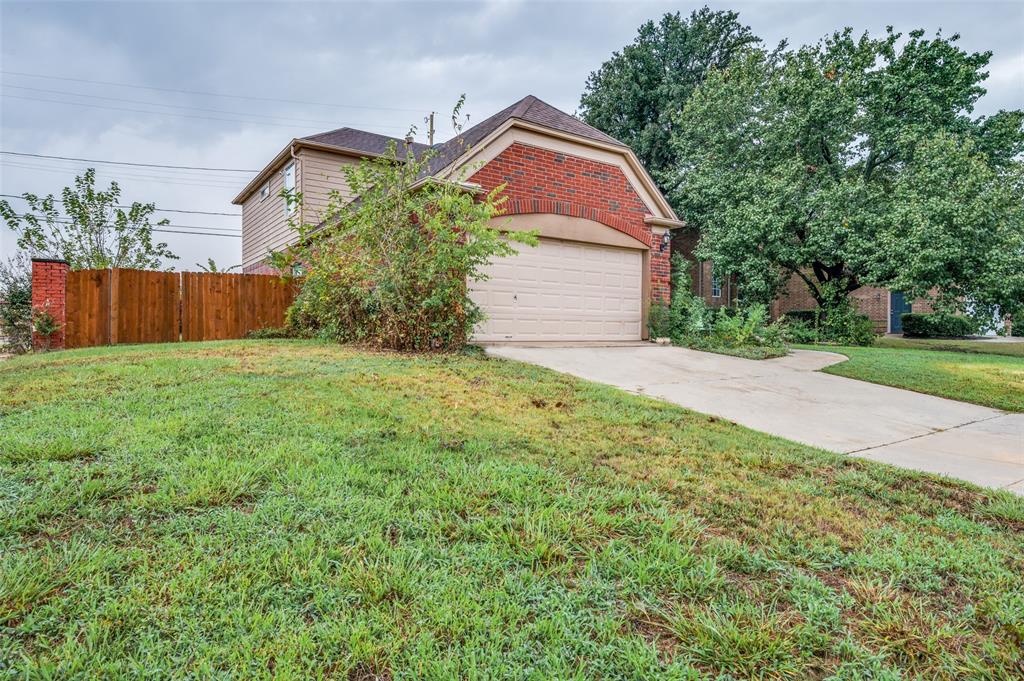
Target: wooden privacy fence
107	307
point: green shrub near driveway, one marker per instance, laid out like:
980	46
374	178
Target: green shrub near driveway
842	325
938	324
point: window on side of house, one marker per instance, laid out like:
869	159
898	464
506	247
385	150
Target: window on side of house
716	284
289	186
265	191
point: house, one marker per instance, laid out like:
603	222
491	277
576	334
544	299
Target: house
604	226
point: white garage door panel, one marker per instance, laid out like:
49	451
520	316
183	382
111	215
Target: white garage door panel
562	291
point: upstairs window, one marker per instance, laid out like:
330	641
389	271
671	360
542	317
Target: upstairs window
289	187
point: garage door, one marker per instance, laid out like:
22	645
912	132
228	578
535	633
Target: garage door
562	291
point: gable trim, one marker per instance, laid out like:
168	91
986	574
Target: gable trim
535	135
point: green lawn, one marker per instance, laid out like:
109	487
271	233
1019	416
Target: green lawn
296	510
993	380
984	347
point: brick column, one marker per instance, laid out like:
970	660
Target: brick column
49	288
661	265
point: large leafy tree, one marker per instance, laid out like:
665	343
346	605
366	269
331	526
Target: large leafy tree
851	162
92	231
637	95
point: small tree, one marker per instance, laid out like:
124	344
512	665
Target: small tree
16	304
391	268
92	232
212	267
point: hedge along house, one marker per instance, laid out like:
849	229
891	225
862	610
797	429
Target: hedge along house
604	226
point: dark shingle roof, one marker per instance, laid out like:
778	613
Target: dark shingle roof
361	140
528	109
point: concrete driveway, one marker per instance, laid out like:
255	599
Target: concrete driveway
789	397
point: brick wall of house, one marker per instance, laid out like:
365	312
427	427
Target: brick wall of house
701	272
869	300
544	181
261	267
49	290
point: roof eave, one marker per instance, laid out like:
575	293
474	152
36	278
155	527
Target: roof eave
296	143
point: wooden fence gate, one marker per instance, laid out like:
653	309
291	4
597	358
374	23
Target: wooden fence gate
107	307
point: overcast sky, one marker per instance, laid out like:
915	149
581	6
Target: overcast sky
228	84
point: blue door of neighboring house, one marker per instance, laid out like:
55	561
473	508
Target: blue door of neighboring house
898	305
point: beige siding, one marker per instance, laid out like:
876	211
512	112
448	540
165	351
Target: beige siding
321	173
264	224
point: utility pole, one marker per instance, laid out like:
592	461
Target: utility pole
430	129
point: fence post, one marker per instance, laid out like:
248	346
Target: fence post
49	294
114	320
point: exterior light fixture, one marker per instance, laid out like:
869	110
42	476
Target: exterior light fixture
666	239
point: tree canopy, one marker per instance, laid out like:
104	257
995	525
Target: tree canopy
637	95
853	162
92	231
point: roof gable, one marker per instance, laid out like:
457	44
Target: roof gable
529	109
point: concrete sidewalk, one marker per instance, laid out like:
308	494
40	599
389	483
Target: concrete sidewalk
789	397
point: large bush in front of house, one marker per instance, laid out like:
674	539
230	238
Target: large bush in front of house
15	304
939	324
390	269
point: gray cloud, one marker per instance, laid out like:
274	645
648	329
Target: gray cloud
414	57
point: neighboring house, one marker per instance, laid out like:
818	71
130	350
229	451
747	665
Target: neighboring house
882	306
604	225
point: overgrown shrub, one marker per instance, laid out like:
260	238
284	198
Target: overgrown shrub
743	331
844	325
390	269
16	305
840	325
937	324
799	330
659	321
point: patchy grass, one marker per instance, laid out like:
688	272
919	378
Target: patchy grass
983	347
991	380
288	509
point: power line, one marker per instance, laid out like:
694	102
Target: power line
209	94
158	210
156	228
119	173
158	113
128	163
146	178
190	108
